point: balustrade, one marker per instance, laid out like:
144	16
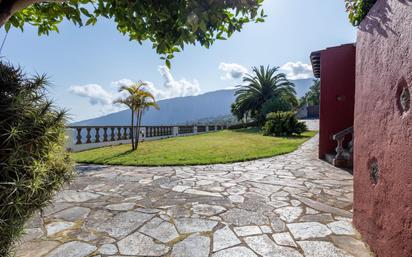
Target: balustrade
186	129
104	134
343	156
201	129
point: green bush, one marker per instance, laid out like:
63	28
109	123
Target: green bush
33	161
283	124
358	9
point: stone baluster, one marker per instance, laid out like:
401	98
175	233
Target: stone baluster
339	148
112	134
119	133
88	136
97	136
105	134
124	133
79	136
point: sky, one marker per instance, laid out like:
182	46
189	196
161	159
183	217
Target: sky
87	65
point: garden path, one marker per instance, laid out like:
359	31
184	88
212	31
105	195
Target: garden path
286	206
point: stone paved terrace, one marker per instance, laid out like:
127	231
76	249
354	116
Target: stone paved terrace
286	206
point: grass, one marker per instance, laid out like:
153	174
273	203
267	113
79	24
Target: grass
218	147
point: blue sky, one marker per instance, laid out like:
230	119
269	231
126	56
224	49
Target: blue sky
86	65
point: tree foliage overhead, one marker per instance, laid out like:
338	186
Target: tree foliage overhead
358	9
263	92
169	25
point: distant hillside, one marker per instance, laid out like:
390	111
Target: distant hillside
182	110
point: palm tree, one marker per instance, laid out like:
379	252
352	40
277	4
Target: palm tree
138	101
265	85
145	101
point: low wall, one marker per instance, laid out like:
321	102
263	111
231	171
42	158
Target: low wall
80	138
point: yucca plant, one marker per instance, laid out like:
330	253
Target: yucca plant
33	161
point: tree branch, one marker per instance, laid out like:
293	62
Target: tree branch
10	7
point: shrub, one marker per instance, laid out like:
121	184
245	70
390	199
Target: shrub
283	124
358	9
33	161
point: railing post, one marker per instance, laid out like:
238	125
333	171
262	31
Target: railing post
69	133
142	133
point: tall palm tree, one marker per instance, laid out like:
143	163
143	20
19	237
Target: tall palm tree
138	101
266	84
145	101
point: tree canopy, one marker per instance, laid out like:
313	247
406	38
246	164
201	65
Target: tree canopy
312	97
169	25
263	92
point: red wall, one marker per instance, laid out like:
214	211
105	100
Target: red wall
337	91
383	212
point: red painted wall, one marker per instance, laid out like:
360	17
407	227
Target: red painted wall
337	91
383	132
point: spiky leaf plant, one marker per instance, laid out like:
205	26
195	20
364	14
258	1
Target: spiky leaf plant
33	161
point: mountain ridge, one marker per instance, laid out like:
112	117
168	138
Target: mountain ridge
183	110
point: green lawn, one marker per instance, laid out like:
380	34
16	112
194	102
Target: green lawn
219	147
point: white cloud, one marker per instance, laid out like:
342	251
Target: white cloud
97	95
232	70
175	88
171	87
297	70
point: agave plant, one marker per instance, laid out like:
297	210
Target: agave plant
138	100
33	160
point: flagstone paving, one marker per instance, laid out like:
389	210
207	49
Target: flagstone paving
287	206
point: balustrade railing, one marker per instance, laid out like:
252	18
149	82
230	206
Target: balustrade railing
158	131
99	134
343	156
201	129
84	135
186	129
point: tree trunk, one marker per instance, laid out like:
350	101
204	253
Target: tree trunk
136	143
132	130
140	124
